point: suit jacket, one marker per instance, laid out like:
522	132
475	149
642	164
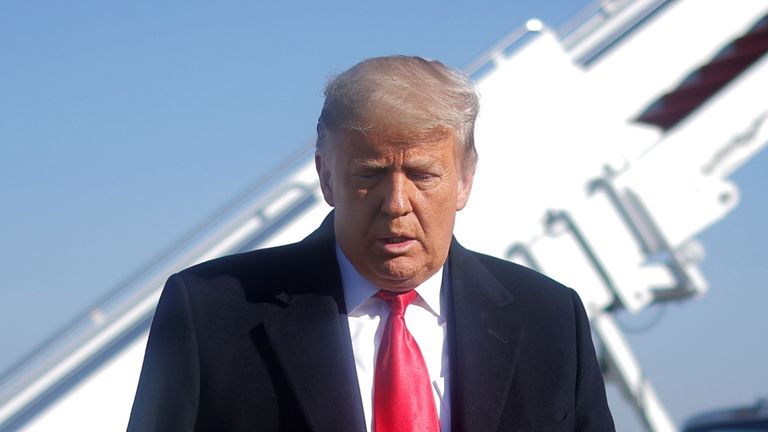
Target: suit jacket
259	341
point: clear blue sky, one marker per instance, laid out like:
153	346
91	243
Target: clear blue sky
124	125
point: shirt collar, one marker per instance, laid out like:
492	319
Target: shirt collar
357	289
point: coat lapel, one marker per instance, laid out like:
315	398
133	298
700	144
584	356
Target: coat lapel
310	338
313	347
485	336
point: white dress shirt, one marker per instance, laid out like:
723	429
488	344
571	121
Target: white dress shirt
367	316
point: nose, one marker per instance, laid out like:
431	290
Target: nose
396	202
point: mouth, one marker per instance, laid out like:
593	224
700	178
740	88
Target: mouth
397	244
395	240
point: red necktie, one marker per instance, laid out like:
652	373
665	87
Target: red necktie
402	390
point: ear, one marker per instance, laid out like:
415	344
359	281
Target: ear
465	187
324	174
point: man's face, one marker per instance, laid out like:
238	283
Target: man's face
395	203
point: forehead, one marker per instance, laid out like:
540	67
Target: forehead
381	142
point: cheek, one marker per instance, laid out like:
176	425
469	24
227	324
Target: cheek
438	213
358	209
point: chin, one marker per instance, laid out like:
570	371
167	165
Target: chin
399	281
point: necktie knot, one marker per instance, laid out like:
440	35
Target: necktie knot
397	301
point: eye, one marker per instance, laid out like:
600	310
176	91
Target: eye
365	175
365	179
423	178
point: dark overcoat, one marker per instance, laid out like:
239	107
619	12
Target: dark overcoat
259	341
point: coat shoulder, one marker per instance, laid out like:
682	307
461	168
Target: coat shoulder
271	270
251	286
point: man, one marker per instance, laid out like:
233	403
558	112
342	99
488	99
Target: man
379	320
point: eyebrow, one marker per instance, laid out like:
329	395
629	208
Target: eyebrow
370	164
423	165
376	165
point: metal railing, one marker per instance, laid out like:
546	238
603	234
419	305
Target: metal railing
243	223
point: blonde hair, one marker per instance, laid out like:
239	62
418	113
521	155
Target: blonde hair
420	99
